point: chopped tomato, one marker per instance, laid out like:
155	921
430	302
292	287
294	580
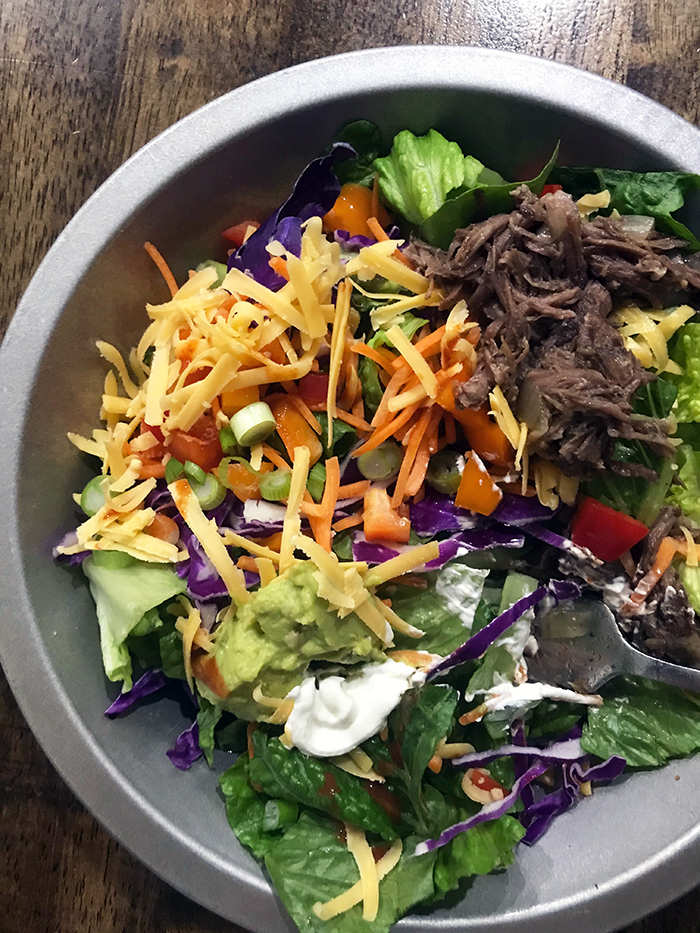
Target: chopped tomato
352	210
313	387
484	781
152	469
197	375
237	233
550	189
200	444
606	532
381	522
477	491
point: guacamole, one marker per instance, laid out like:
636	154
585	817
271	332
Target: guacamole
272	639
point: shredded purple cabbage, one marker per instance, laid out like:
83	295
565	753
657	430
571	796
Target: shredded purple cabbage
491	811
148	683
568	750
186	749
549	537
314	194
69	540
352	244
537	816
521	510
476	646
203	581
436	513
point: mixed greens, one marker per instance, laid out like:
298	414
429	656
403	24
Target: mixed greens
347	476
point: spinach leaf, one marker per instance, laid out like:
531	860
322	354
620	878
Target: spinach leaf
372	389
651	194
309	864
207	719
245	808
344	436
342	544
423	717
644	722
288	774
485	848
475	202
366	139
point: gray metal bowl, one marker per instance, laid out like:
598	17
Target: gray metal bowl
615	857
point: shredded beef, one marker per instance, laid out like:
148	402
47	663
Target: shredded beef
542	285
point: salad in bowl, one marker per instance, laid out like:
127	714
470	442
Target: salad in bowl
350	474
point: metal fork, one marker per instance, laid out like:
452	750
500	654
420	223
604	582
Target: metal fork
581	645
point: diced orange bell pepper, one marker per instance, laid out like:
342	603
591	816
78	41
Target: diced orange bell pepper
352	210
381	522
231	402
483	434
242	482
294	430
477	491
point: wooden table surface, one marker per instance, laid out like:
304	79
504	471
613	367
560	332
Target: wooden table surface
83	84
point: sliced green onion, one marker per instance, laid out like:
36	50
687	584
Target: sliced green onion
253	424
113	560
381	463
279	813
222	469
194	473
445	471
316	481
173	469
275	486
227	439
210	493
92	498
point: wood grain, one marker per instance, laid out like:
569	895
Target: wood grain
83	84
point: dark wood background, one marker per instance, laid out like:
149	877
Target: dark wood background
83	84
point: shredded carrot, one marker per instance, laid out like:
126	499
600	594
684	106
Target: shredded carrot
348	522
409	458
279	265
435	764
375	228
428	346
311	509
247	563
250	729
374	205
215	406
275	458
428	446
450	427
358	409
354	489
352	420
163	267
352	381
305	412
374	355
322	532
382	414
668	549
383	433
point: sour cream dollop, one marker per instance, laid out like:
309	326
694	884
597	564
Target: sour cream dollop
332	715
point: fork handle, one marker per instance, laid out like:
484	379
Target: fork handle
643	665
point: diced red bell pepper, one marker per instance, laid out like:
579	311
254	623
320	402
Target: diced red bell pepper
606	532
550	189
313	388
236	234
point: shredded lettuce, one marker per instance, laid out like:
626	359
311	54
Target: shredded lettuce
123	595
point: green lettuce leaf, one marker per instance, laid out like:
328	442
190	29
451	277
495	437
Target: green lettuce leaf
485	848
428	611
372	389
686	352
245	808
651	194
207	720
645	722
687	494
474	202
420	171
123	595
308	864
410	325
288	774
691	581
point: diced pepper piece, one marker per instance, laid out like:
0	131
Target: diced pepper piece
231	402
200	445
352	209
381	522
237	233
313	388
294	430
482	432
477	491
606	532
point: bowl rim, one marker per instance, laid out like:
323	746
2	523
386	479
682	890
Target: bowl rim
70	746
